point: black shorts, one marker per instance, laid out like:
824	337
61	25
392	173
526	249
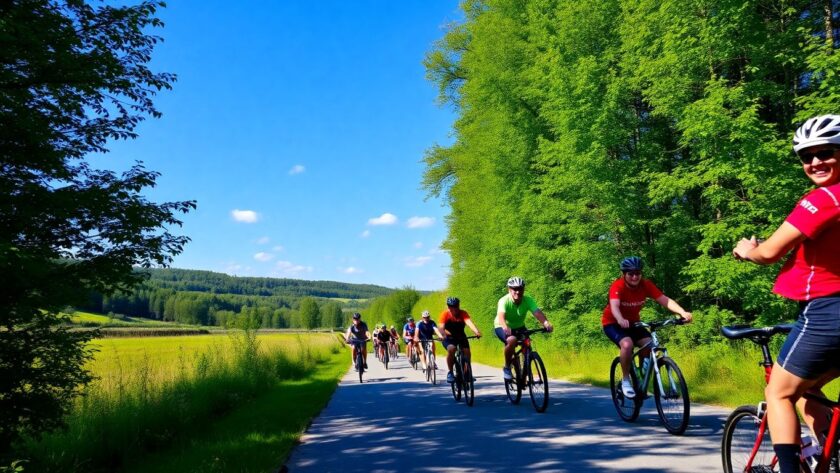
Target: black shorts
615	333
500	333
463	343
813	346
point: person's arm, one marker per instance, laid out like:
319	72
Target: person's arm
538	314
615	308
472	327
347	335
500	317
672	305
768	252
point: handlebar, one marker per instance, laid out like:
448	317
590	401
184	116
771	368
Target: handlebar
660	323
356	341
527	333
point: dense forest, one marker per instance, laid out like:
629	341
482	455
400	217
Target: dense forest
208	298
591	131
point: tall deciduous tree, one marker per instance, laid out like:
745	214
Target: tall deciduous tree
310	313
72	77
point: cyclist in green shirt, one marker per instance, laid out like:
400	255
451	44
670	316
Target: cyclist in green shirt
510	318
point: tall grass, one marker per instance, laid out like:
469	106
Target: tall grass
153	391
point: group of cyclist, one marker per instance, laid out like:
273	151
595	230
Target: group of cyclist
810	356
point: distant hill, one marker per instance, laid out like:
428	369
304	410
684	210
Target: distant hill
220	283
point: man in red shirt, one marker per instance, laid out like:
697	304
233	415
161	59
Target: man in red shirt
627	296
453	321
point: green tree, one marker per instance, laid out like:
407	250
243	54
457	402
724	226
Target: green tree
310	314
72	77
332	316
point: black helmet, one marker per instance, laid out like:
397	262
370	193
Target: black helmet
453	302
631	263
357	315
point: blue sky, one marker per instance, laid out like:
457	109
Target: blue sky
299	128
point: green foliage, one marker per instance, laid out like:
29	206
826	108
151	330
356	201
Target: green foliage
587	132
72	77
310	313
391	309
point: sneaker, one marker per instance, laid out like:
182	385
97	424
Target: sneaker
627	388
366	365
506	373
450	378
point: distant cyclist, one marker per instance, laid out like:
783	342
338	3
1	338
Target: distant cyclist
810	357
426	329
408	336
376	330
358	330
511	311
453	322
395	338
627	296
384	338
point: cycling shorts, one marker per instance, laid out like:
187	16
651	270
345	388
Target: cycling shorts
463	343
813	346
615	333
408	340
500	333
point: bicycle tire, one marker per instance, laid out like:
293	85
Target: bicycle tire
387	359
513	387
673	405
432	370
537	383
360	365
627	408
456	385
740	434
469	384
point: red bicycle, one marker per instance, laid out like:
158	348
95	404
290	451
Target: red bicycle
746	444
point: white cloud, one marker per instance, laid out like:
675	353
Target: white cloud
261	256
296	169
351	270
417	261
263	240
246	216
418	245
278	248
420	222
287	267
384	219
365	234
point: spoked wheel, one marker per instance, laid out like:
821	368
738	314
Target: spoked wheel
512	386
538	383
360	365
457	385
386	357
741	433
627	408
431	374
672	402
469	384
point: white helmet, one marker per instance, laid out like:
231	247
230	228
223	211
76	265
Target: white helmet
516	281
820	130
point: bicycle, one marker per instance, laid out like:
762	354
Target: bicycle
746	445
413	356
384	354
394	349
669	388
531	374
360	359
463	384
429	371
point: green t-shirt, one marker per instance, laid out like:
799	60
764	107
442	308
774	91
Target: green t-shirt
515	314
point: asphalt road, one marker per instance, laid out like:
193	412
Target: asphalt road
397	422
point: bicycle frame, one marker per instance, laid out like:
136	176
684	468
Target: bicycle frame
656	351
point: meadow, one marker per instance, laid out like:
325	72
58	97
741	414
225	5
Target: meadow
168	401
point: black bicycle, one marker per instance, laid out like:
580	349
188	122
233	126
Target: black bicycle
528	370
360	359
464	380
429	371
669	388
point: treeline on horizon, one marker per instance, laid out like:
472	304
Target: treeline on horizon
208	298
587	132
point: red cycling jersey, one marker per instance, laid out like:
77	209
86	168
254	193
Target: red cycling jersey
631	299
813	268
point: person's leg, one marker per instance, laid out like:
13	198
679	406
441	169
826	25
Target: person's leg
625	355
782	393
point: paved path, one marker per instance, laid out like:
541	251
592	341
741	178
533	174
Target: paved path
397	422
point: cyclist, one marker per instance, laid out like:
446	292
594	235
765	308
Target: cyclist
384	337
358	330
511	311
376	330
810	357
395	338
453	322
408	336
426	329
627	295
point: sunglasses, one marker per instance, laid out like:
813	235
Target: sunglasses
517	289
822	155
633	273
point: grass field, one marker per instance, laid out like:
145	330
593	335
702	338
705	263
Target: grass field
178	397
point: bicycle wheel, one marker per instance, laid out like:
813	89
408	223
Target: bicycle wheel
538	383
627	408
469	384
512	386
456	386
743	432
432	370
360	365
386	357
672	402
